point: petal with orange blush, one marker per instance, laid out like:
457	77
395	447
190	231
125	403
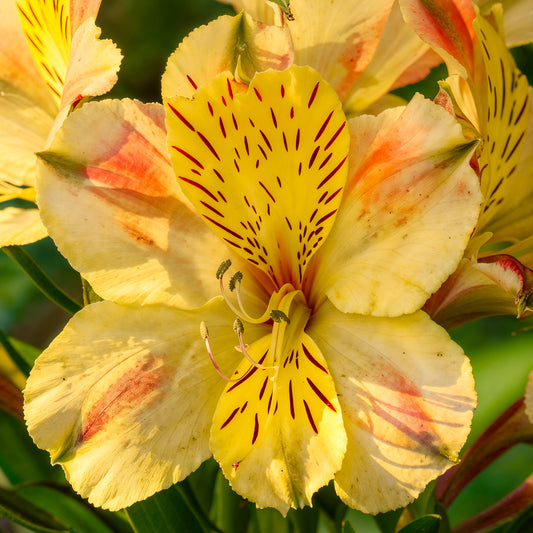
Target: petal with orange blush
408	210
407	396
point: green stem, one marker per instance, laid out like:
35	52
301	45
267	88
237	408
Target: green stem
21	363
41	280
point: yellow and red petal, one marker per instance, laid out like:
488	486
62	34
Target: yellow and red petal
446	25
264	168
278	432
81	10
243	45
107	181
338	39
407	395
129	393
408	210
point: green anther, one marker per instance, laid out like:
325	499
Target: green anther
236	278
222	269
277	316
237	326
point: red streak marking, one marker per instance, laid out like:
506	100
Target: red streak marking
199	186
325	217
282	91
224	101
208	144
191	81
266	139
313	95
212	209
210	107
221	226
230	418
263	388
128	392
285	142
291	400
244	407
288	223
25	16
292	112
37	48
258	94
256	429
331	174
335	135
58	76
47	69
235	125
310	417
333	196
236	165
313	215
267	191
319	393
298	139
181	117
279	181
222	196
246	145
269	403
219	176
323	127
262	151
273	118
325	161
35	16
232	243
230	91
300	169
189	156
222	128
313	157
251	122
53	89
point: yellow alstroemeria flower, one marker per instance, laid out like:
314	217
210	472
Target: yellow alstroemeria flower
337	232
491	97
50	58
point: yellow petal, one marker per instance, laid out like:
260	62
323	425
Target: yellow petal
517	19
409	207
128	394
107	181
20	226
262	10
278	433
242	42
265	168
338	38
407	396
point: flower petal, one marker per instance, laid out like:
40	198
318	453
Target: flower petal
20	226
409	207
81	10
264	11
129	393
529	397
264	168
407	395
257	46
107	181
338	39
278	434
517	19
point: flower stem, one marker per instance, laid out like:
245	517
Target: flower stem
41	280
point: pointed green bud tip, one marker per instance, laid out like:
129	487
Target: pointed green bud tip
277	316
222	269
237	326
203	330
236	278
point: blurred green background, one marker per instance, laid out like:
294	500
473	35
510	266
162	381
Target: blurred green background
147	33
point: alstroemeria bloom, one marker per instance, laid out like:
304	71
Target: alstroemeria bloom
50	58
337	230
491	98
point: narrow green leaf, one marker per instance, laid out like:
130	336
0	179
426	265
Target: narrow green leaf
41	280
229	511
165	512
23	512
347	527
14	354
425	524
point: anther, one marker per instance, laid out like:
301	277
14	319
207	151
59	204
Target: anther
223	268
238	327
277	316
204	331
236	278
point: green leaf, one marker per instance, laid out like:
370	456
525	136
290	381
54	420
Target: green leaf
21	511
41	280
15	355
347	527
167	512
425	524
523	523
229	511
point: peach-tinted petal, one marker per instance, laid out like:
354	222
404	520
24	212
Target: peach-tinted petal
278	433
261	10
107	182
128	394
407	394
409	207
338	39
81	10
447	26
20	226
242	44
400	58
264	168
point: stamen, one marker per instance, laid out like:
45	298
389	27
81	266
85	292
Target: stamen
238	328
236	278
205	335
223	268
277	316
